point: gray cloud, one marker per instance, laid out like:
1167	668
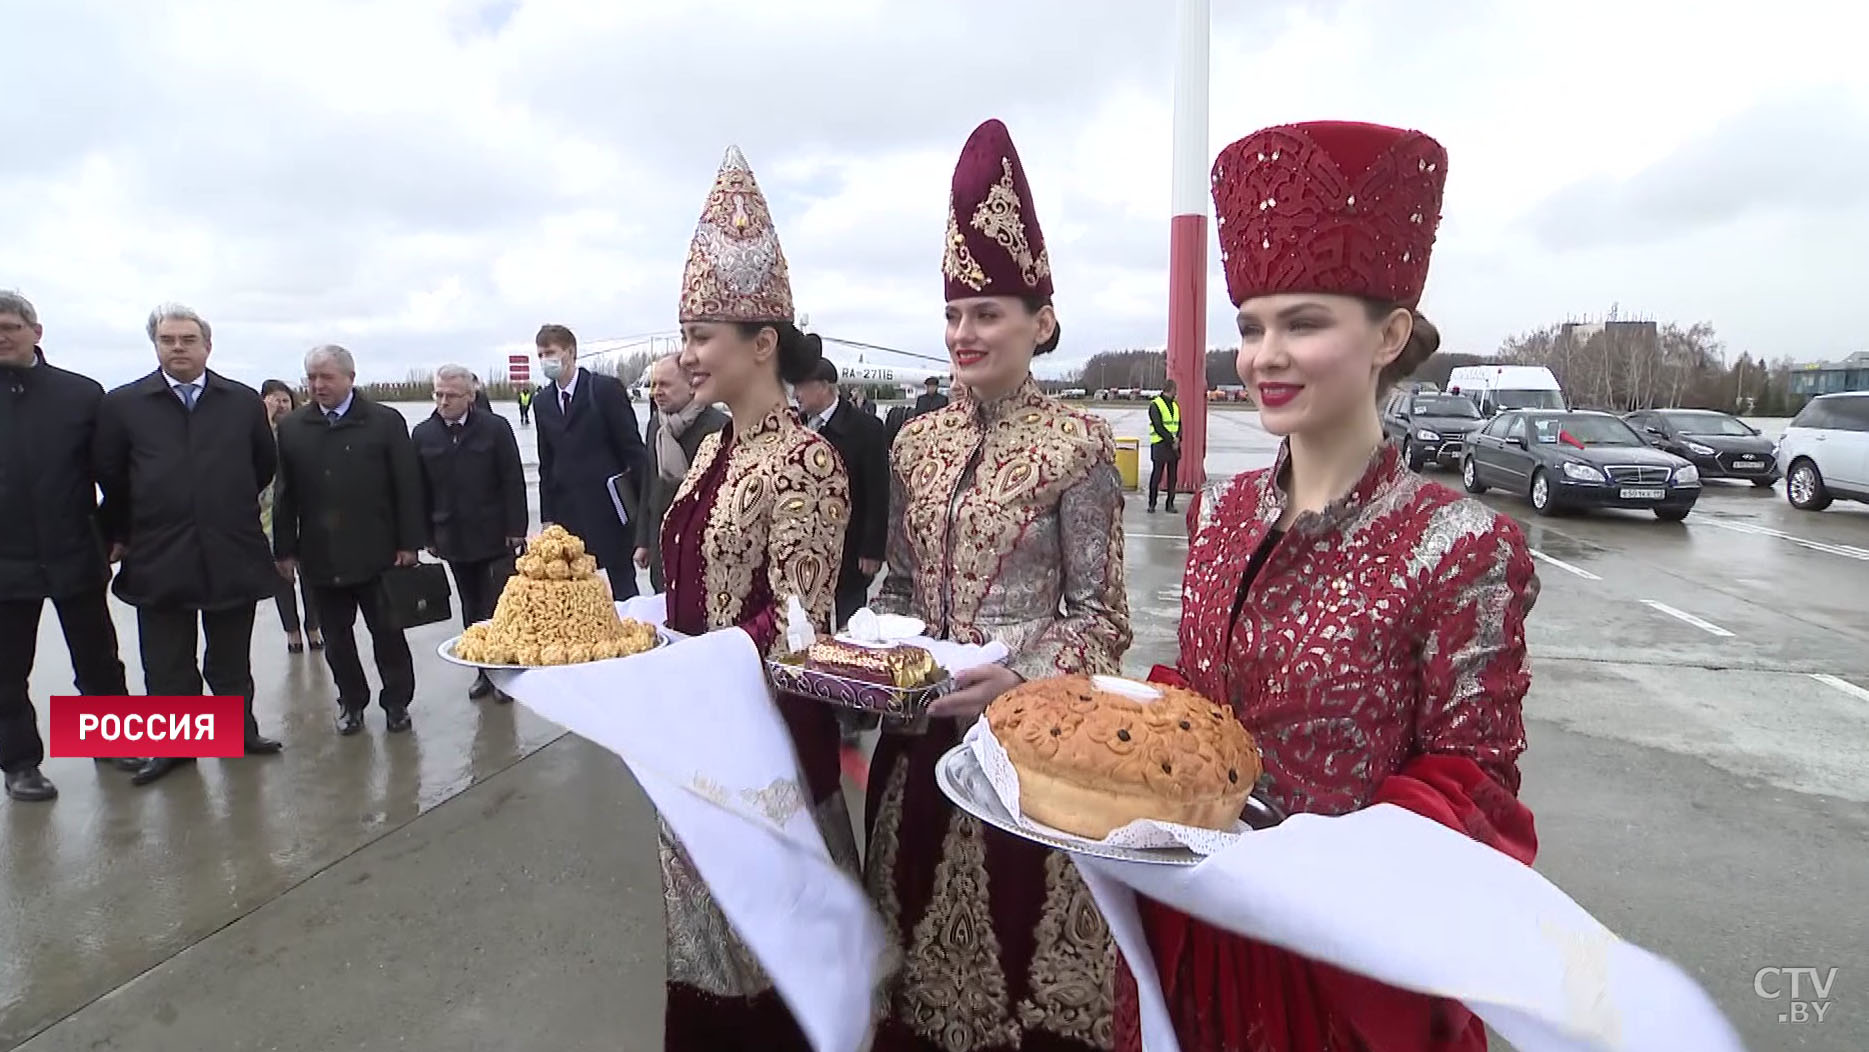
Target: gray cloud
1806	154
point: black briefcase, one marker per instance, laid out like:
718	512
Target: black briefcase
413	596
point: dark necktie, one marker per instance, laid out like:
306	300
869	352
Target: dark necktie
564	402
454	431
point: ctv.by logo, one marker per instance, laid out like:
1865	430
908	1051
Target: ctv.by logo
1805	991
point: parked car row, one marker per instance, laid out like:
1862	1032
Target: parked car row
1656	459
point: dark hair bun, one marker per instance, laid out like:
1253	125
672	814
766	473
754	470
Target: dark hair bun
1423	340
1050	345
799	353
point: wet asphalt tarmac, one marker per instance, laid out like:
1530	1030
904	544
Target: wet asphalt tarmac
1699	765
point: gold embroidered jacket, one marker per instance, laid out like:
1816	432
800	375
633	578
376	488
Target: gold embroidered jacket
1007	524
765	525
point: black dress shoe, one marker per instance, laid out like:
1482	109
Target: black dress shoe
349	722
156	767
260	745
481	688
30	785
122	763
397	720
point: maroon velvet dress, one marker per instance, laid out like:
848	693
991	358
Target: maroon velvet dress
1376	651
1007	526
760	517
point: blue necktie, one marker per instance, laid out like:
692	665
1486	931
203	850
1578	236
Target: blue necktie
189	393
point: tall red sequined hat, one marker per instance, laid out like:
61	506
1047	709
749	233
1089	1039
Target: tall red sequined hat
994	246
1329	206
736	270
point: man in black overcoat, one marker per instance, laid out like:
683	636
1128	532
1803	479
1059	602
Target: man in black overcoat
50	543
349	507
474	490
182	456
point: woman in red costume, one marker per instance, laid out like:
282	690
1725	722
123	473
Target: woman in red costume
759	519
1365	624
1007	526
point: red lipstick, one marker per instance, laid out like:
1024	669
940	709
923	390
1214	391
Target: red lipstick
1271	396
969	357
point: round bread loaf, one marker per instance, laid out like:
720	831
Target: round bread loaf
1097	753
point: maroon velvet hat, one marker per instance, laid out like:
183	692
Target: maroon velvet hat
994	246
1329	206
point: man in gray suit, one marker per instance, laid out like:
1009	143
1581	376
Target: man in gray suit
676	429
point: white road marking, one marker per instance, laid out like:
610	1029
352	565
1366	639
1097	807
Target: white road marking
1704	625
1566	567
1848	551
1843	685
1158	536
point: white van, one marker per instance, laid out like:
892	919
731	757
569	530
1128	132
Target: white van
1494	388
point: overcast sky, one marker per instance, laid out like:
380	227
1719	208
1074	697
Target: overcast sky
429	180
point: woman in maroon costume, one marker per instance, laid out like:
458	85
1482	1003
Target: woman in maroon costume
1007	526
1367	625
759	519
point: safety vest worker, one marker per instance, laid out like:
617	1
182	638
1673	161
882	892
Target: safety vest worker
1164	418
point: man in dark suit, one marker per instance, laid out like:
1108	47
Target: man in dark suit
676	429
931	398
50	544
349	507
858	438
589	446
182	456
474	490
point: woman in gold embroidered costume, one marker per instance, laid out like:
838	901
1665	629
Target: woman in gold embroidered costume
760	518
1007	525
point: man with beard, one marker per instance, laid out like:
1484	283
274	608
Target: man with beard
182	457
50	545
676	429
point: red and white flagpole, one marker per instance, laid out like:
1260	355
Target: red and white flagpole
1187	252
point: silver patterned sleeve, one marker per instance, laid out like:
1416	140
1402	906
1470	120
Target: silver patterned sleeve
1094	631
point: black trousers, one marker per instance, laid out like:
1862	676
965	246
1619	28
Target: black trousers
287	600
338	607
1163	472
477	590
168	640
91	640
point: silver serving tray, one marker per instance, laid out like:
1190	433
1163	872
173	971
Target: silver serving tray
959	775
663	637
904	706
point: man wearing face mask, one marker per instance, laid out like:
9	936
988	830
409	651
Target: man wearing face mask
591	457
676	429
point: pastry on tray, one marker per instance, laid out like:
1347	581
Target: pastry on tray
898	665
1095	753
554	611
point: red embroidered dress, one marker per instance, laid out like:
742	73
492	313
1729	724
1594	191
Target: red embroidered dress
1378	656
1376	650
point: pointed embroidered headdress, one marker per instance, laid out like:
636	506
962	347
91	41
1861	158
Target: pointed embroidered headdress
1330	206
993	246
736	270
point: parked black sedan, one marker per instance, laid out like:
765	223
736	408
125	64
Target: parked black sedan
1431	427
1578	459
1718	445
